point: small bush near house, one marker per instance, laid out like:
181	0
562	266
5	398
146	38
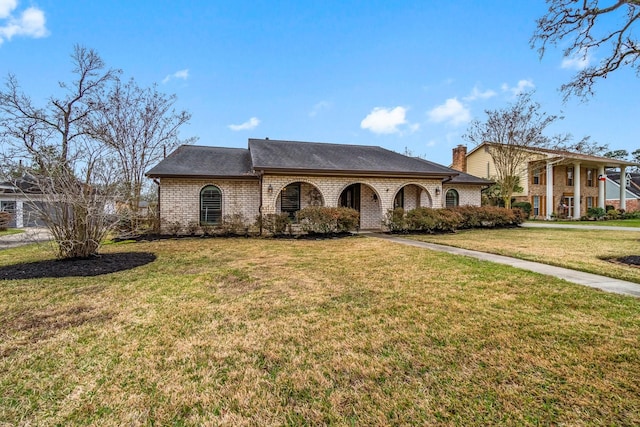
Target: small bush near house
193	227
234	224
326	220
525	206
615	214
275	224
597	213
395	220
5	219
609	208
174	228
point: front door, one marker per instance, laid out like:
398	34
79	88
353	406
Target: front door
568	201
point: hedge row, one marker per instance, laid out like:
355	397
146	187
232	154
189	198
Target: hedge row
451	219
314	219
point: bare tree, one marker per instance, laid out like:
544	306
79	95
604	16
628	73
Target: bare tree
508	133
582	24
139	125
59	156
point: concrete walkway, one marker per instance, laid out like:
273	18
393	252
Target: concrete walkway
547	224
587	279
30	235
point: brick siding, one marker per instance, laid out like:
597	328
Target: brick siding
180	198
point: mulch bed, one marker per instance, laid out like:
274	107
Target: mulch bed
77	267
632	260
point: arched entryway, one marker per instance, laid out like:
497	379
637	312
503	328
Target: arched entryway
298	195
412	196
364	199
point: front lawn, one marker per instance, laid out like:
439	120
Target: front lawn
10	231
356	331
584	250
613	222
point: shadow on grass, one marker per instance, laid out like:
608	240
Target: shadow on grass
85	267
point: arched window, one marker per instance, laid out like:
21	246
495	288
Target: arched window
210	205
452	199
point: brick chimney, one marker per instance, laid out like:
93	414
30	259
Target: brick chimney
460	158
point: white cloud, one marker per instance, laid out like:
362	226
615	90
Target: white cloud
317	108
6	7
476	93
578	62
386	121
30	23
453	112
252	123
182	74
519	88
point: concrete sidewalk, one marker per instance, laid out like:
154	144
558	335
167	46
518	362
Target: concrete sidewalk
587	279
30	235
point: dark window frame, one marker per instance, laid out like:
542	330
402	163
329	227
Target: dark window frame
290	199
210	205
456	198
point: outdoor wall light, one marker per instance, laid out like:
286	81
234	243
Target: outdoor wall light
270	188
375	197
437	191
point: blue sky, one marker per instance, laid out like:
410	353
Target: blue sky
396	74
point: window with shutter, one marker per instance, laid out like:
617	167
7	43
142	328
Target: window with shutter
210	205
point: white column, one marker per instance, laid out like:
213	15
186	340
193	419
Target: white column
576	191
623	187
602	198
549	189
19	213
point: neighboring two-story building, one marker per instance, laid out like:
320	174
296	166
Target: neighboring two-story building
555	182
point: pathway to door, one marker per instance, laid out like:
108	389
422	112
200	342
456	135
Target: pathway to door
587	279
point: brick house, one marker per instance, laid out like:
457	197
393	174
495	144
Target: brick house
202	185
578	181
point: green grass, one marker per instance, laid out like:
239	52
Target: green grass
10	231
614	223
583	250
356	331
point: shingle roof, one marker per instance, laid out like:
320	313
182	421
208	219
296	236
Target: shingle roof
210	162
465	178
333	158
569	155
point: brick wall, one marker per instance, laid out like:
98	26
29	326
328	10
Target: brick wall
180	198
468	195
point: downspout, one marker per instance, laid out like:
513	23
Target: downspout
260	206
155	181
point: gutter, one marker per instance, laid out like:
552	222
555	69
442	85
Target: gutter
156	182
260	175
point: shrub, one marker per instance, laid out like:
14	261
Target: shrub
276	224
325	220
174	228
5	219
609	208
192	227
235	223
613	214
348	219
596	213
395	220
525	206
